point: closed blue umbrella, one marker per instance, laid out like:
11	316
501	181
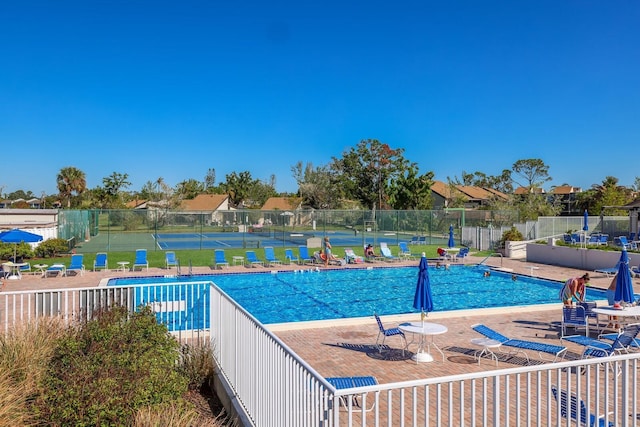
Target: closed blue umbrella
17	236
422	300
624	284
451	243
585	223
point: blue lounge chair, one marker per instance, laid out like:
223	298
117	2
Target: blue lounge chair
100	262
270	257
56	270
556	350
462	254
76	264
404	251
569	406
303	252
386	253
170	260
290	258
141	260
353	382
25	268
252	259
219	259
599	348
608	271
351	257
384	333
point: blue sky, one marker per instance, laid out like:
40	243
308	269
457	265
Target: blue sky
170	89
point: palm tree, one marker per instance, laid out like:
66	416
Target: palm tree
71	180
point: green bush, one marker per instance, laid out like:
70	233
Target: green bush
511	235
108	368
52	248
21	250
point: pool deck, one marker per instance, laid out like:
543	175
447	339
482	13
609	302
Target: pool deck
346	347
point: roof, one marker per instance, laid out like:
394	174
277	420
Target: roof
282	203
132	204
566	189
477	193
529	190
204	202
441	188
497	193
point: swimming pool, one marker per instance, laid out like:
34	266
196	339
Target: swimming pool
293	296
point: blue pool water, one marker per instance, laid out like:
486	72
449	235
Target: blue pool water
330	294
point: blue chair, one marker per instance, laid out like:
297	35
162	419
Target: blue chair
76	264
270	257
555	350
404	251
100	262
303	253
574	317
569	406
290	257
386	252
599	348
384	333
141	260
353	382
219	259
462	254
252	259
170	259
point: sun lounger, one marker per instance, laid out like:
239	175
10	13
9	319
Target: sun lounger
556	350
353	382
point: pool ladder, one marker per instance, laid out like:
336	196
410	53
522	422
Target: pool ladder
179	271
490	255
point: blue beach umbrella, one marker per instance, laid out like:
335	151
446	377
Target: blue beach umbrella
451	243
624	284
16	236
585	223
422	300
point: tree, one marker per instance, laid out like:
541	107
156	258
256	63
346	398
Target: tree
189	189
605	197
368	171
412	191
237	186
317	186
210	180
71	180
534	171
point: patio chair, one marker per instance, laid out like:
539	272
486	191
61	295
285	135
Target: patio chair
351	257
384	333
555	350
354	382
219	259
25	268
404	251
290	258
303	254
570	405
141	260
574	317
596	347
386	253
170	259
270	257
588	311
76	264
100	262
56	270
252	259
462	254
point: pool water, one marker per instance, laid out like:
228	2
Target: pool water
294	296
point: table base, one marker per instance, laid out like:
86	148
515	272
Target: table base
422	357
13	277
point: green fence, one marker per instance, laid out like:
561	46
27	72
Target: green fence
126	230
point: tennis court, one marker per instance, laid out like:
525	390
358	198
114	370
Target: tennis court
276	237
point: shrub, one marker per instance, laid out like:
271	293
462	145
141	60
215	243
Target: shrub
21	250
52	248
511	235
197	364
110	367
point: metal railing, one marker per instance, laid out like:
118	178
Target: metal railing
272	386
